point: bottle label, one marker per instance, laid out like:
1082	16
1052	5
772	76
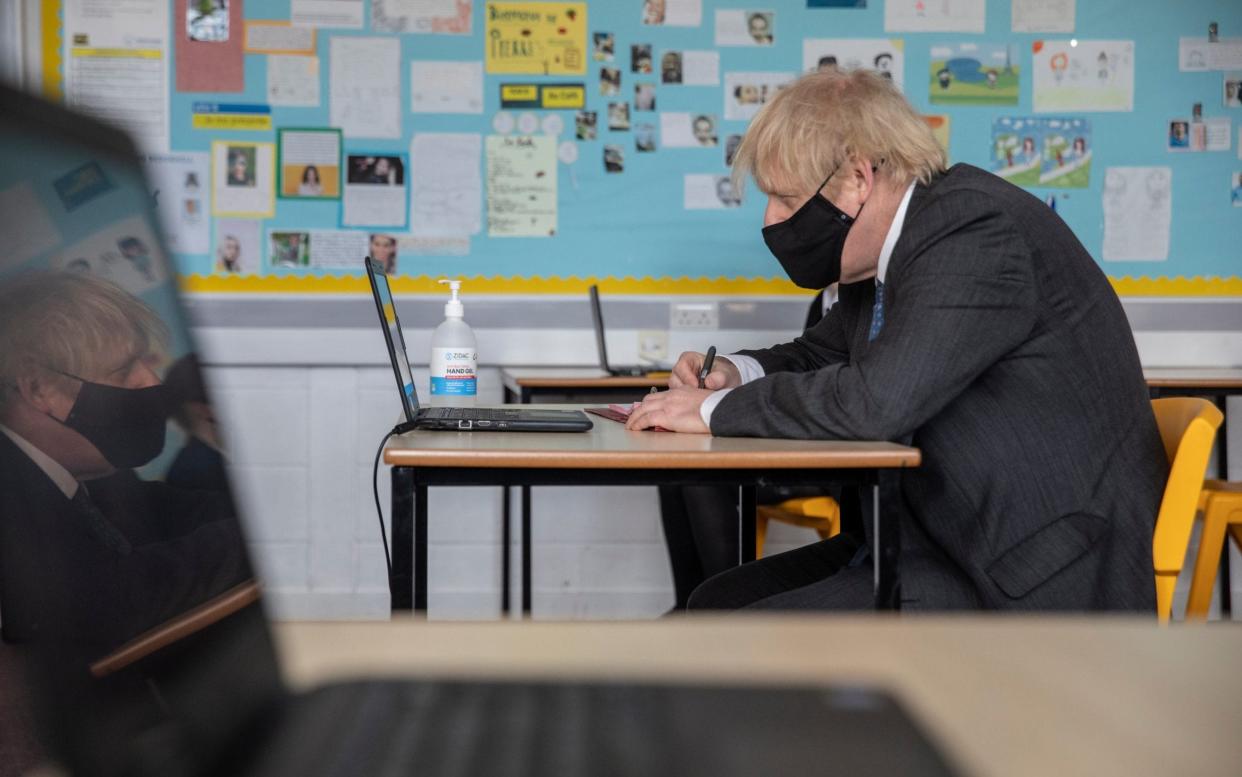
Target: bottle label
453	372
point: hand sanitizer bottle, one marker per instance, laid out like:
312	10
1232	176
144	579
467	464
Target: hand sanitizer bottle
454	357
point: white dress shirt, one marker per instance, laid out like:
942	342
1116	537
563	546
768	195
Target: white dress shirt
66	482
749	367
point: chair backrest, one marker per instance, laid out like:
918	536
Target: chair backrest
1188	428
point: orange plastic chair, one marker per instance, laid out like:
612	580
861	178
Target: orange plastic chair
821	513
1188	428
1222	514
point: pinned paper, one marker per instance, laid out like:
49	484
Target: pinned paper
179	189
933	15
343	14
310	163
672	13
1039	151
210	57
710	192
521	186
243	179
1138	211
364	86
436	17
446	87
745	28
374	191
239	246
543	38
266	36
688	130
1083	75
293	81
746	93
692	68
1042	15
974	73
884	55
1202	54
446	188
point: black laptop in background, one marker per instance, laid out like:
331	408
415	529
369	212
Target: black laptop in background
207	698
456	419
597	318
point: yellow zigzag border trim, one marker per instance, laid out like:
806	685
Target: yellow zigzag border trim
425	284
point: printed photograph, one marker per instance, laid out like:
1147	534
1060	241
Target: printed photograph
618	116
241	166
584	125
289	249
1236	193
670	67
640	58
614	159
1179	135
604	46
383	251
207	20
644	96
704	128
384	170
1233	91
653	11
609	81
727	193
730	148
644	137
759	25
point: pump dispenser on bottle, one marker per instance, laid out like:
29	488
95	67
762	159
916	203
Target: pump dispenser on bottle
454	356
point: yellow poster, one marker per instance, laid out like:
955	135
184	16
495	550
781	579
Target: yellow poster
536	38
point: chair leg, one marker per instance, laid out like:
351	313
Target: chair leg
761	532
1207	563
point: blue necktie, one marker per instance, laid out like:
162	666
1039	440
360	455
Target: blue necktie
877	312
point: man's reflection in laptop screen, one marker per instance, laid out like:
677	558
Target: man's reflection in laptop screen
116	518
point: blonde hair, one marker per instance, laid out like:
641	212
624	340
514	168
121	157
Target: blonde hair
70	322
822	120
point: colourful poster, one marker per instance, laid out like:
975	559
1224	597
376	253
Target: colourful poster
1037	151
536	38
974	73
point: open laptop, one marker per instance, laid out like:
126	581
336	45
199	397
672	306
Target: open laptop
145	646
597	318
454	418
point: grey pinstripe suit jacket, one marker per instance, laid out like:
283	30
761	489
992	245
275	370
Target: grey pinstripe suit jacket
1007	358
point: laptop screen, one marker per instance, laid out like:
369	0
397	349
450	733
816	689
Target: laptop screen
391	326
597	318
117	520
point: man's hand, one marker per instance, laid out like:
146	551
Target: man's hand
685	374
677	410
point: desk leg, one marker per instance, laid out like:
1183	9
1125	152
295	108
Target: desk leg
886	539
420	548
400	581
747	505
526	587
505	542
1222	466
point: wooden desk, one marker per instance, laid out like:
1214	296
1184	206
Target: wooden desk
1218	384
1005	696
609	455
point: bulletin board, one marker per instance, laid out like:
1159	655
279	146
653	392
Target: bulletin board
635	200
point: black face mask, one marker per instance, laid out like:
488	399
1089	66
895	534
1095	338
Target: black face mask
808	244
126	425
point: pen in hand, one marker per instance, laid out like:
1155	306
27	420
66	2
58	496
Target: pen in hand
707	366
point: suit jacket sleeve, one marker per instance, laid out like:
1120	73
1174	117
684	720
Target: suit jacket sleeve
961	298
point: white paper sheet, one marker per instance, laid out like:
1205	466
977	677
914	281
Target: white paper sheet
433	246
689	130
293	81
239	246
1042	15
1094	75
700	68
521	186
365	85
745	28
933	15
1138	210
26	225
446	87
446	17
885	55
116	65
1217	133
344	14
125	252
673	13
746	93
1200	54
252	195
338	249
279	39
446	191
709	192
179	187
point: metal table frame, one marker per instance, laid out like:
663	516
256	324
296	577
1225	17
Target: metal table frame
408	581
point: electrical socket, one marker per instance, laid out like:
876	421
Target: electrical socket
694	315
652	345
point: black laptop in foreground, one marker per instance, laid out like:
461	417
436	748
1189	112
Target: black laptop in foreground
457	419
129	606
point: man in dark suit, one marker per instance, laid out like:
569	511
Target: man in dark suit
971	323
90	554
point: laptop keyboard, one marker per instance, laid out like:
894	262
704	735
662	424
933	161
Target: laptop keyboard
468	414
